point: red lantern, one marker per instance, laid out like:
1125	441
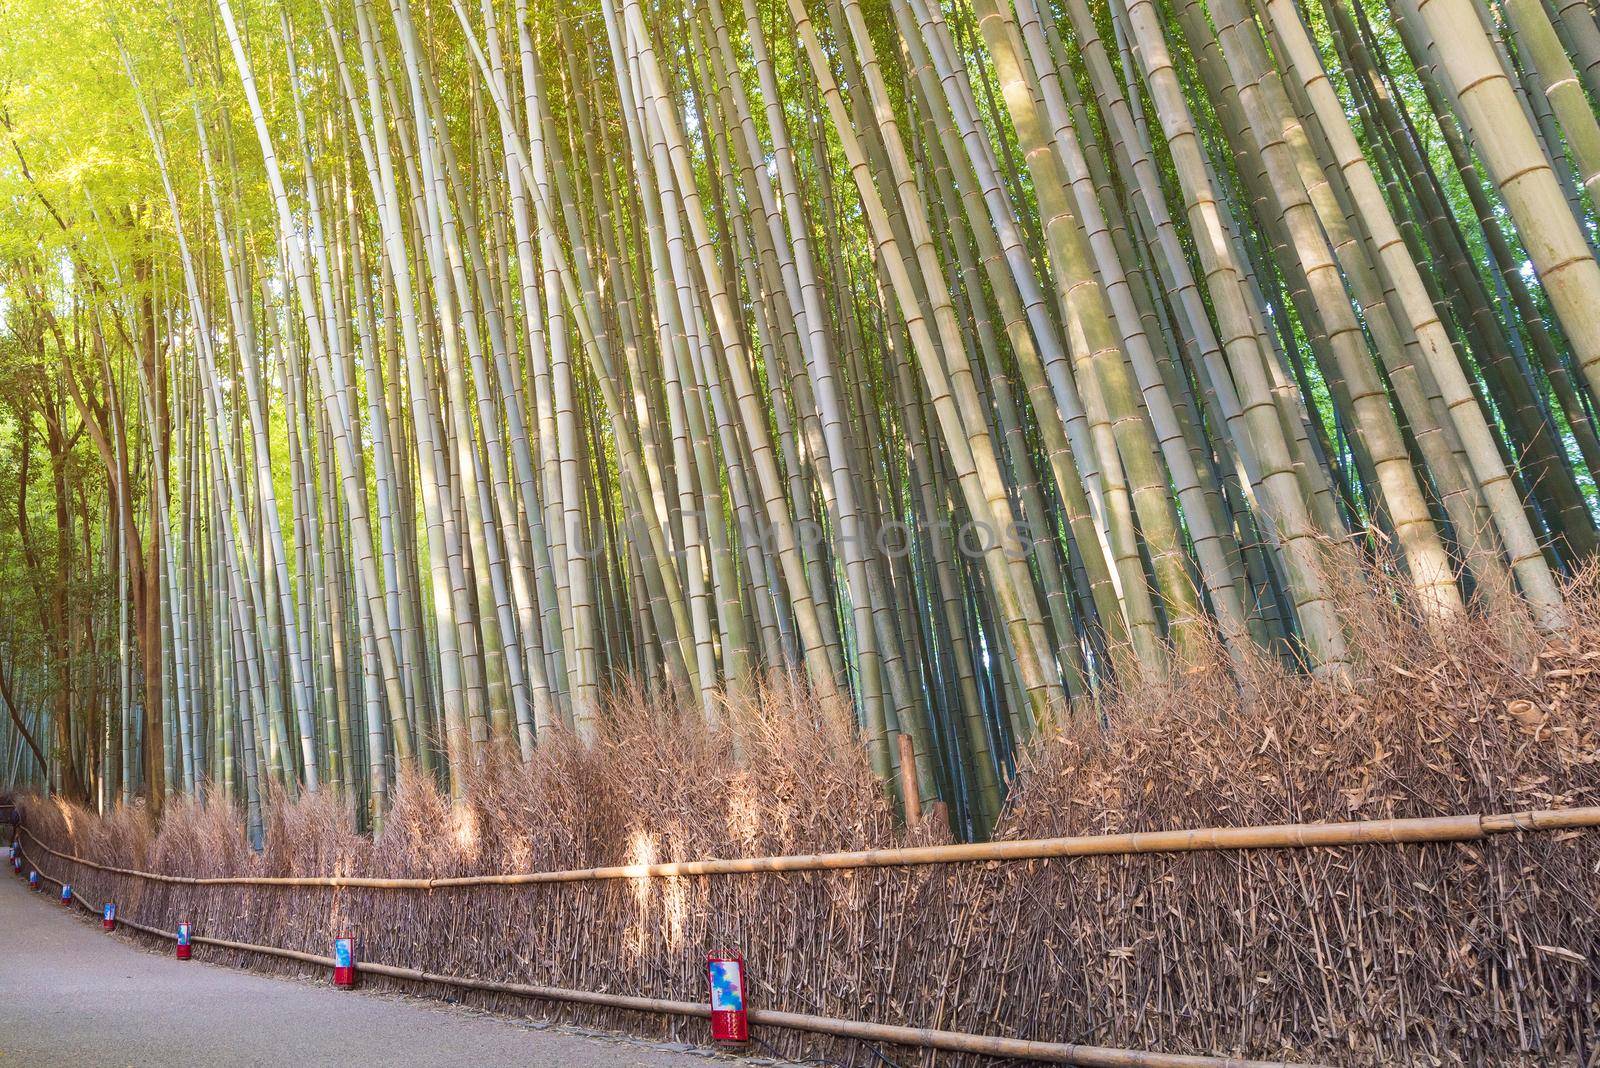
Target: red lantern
183	941
725	974
108	916
344	962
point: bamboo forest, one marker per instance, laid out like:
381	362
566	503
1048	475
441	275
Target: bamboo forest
387	384
995	530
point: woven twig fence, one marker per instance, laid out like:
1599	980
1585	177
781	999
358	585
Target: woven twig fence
374	906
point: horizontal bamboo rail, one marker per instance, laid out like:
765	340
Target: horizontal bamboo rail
1464	828
890	1034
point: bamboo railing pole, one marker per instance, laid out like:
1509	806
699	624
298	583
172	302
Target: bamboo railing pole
1412	831
995	1046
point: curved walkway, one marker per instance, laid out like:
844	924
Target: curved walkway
71	994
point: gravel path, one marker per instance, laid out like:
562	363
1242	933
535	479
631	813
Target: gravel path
71	994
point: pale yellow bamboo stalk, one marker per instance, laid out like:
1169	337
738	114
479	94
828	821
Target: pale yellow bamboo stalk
1499	492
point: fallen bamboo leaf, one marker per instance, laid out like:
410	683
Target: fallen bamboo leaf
1565	954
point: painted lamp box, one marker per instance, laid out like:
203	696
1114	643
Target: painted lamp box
33	881
183	941
344	962
108	916
66	894
728	1020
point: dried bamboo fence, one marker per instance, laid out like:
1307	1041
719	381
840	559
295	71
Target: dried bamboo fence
913	1037
115	883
